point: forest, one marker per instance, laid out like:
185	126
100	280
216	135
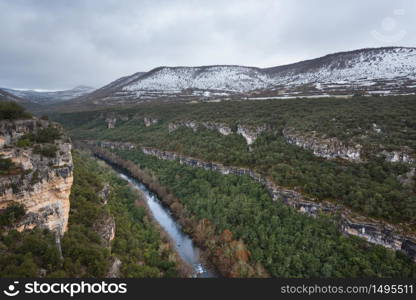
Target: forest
278	238
10	110
373	187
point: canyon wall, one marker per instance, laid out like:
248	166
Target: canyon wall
376	232
334	148
249	133
327	148
373	231
42	184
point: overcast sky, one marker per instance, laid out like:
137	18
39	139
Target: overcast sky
60	44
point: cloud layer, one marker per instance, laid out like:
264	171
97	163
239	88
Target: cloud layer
61	44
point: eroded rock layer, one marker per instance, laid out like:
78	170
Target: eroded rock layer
40	182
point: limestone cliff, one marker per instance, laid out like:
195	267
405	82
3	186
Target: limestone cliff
106	229
334	148
148	121
41	179
111	122
249	133
323	147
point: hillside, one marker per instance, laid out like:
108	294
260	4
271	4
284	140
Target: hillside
49	97
385	71
307	144
6	96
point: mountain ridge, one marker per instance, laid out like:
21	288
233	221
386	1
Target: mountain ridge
367	70
48	97
382	71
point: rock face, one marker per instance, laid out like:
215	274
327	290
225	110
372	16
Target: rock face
112	145
333	148
327	148
250	134
373	231
104	194
114	271
188	124
106	229
111	122
41	183
220	127
397	156
148	121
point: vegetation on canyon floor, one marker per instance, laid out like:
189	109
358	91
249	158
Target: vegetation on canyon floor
215	207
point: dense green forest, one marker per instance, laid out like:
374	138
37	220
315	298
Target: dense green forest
286	243
347	119
11	111
375	188
138	243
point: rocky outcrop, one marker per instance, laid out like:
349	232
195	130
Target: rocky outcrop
148	121
250	134
188	124
111	122
115	266
402	156
104	194
106	229
11	131
111	145
220	127
333	148
105	225
42	184
323	147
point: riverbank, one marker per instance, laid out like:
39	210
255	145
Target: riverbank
191	263
229	256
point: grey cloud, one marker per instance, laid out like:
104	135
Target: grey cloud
60	44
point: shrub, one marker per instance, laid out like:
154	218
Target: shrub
12	111
47	135
48	150
12	214
24	142
6	165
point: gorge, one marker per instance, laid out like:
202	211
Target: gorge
377	232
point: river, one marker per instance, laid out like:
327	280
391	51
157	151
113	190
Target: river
183	243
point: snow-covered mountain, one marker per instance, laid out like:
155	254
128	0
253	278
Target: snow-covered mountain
379	70
5	96
47	97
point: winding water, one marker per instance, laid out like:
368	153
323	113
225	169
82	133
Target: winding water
183	243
